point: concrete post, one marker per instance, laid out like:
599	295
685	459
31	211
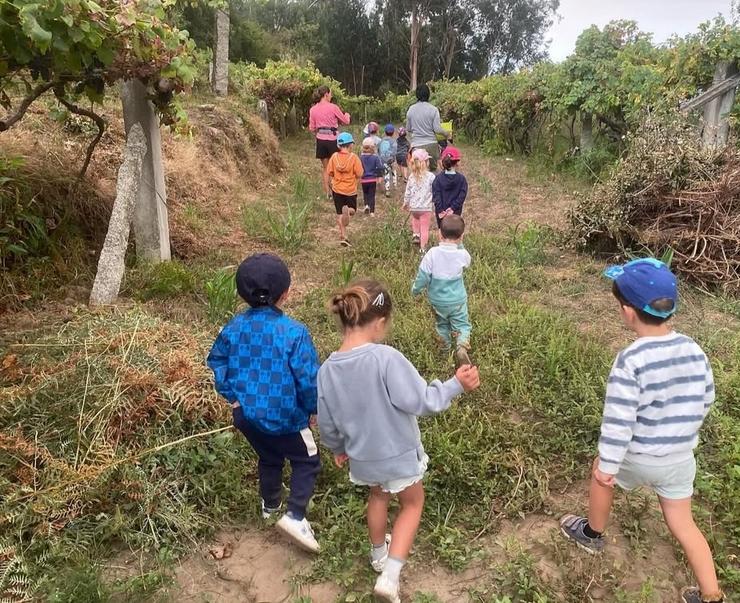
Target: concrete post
292	125
716	125
151	228
111	263
220	81
587	132
263	110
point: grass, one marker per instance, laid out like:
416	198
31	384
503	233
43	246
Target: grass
96	410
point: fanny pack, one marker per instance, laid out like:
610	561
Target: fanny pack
327	130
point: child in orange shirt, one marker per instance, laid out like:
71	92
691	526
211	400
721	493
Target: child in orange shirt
345	170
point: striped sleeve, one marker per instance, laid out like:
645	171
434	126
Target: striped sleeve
620	416
709	394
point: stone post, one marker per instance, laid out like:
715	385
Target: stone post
716	125
587	132
220	81
111	263
263	110
151	229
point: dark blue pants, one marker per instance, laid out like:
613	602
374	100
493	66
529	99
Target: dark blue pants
272	450
368	194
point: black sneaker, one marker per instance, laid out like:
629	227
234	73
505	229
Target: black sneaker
692	594
572	528
367	209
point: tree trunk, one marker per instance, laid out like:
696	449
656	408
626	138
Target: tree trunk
150	216
450	53
587	132
414	54
220	81
111	263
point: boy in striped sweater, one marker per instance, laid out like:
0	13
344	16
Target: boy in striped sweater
658	393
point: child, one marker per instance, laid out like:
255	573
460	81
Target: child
403	147
658	393
441	274
345	170
418	197
387	151
450	188
264	364
371	131
369	398
372	174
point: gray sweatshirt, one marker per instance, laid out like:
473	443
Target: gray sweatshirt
369	399
423	123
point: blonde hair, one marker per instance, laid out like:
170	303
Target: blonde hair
361	303
417	168
368	148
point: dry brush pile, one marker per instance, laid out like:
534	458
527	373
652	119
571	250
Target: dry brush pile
669	194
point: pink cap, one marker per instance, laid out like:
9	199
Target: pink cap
451	152
420	154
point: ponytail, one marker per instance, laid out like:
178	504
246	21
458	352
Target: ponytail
361	303
448	162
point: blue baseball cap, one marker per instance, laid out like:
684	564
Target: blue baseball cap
344	139
390	128
262	279
644	281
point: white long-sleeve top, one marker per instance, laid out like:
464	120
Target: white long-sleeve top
418	195
658	393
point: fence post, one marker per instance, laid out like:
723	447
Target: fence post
587	132
263	110
716	125
151	228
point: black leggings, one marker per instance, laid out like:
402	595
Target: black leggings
368	194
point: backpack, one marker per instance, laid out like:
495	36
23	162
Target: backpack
385	150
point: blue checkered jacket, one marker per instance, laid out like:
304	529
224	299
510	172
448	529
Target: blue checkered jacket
267	362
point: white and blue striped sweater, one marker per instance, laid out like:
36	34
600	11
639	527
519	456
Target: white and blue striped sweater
658	393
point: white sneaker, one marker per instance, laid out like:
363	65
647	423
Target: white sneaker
267	512
386	590
379	564
299	532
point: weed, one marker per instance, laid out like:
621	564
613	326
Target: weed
346	268
160	281
528	241
289	231
221	295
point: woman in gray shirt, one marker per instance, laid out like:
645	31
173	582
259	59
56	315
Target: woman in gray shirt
369	398
423	123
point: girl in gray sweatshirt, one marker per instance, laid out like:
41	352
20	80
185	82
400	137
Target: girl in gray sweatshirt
369	396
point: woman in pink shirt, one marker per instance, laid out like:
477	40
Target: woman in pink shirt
323	120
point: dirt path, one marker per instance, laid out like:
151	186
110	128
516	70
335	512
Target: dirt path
641	563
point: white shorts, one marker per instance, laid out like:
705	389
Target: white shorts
394	486
673	482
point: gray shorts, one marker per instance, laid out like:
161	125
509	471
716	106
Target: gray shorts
673	482
394	486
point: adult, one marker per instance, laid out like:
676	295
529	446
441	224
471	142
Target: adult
423	124
323	120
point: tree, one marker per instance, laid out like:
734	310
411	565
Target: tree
75	48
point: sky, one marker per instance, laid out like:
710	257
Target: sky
661	17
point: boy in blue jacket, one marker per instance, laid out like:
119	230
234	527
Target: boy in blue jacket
265	364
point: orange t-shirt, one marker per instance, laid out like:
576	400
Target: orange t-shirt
345	169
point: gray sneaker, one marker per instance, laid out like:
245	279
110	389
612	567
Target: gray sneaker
572	528
462	357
